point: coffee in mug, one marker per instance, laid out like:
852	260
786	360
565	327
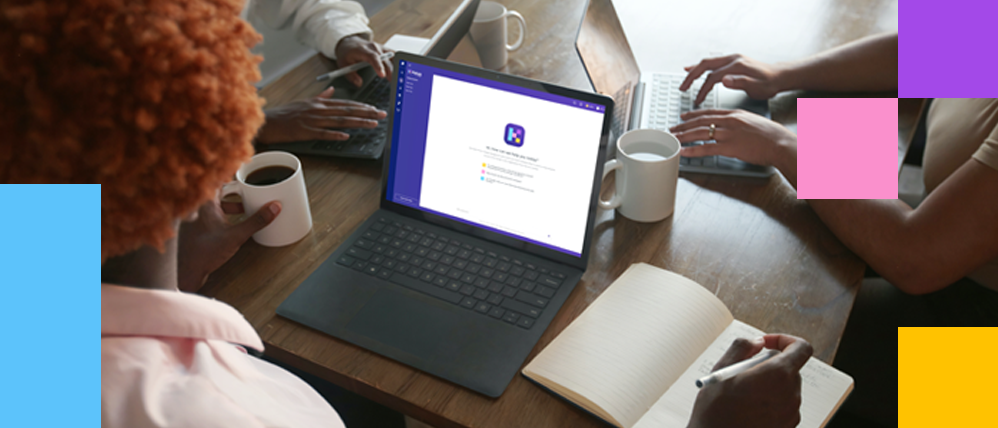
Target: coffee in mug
269	175
275	176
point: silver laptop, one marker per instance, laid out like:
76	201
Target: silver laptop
653	100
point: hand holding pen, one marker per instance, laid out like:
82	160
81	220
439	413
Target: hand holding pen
357	49
766	395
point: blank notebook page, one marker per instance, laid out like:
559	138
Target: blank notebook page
634	341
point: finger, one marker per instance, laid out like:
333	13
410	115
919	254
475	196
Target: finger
705	120
702	150
355	79
325	134
794	351
373	56
739	82
259	220
739	350
714	77
341	122
702	134
350	110
704	66
705	112
328	93
389	68
348	103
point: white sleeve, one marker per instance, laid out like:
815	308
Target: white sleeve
320	24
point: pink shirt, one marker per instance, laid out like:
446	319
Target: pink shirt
172	359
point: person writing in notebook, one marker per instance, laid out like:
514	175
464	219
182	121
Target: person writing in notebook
938	259
767	395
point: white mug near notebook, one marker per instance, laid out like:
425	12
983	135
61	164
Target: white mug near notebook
274	176
647	166
489	33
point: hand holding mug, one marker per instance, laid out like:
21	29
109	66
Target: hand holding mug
275	176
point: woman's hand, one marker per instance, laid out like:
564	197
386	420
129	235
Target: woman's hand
311	119
208	240
354	49
738	133
758	79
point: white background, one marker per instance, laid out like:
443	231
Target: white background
465	117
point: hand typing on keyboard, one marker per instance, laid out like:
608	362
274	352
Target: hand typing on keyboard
739	134
312	119
759	80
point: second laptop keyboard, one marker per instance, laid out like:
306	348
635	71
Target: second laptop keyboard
493	284
668	103
363	142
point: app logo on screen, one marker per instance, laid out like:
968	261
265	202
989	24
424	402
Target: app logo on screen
514	135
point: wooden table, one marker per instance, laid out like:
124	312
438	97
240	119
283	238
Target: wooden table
750	241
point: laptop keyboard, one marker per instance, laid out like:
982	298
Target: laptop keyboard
363	142
485	282
668	102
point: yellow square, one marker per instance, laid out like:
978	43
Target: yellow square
946	376
483	164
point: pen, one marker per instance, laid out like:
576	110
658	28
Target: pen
736	368
351	68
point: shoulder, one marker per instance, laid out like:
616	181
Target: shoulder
161	382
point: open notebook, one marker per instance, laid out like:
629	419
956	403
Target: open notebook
633	357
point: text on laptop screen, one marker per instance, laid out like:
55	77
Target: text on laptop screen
505	158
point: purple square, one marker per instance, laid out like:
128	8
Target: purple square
514	135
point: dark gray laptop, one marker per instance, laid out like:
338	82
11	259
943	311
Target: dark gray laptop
369	143
487	206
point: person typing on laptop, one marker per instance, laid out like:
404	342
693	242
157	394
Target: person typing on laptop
938	258
338	30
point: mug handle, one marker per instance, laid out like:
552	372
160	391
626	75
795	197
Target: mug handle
618	197
523	29
232	187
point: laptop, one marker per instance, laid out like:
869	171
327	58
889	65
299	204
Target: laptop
369	143
652	100
488	199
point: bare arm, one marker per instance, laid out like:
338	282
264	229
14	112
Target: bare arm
867	64
952	233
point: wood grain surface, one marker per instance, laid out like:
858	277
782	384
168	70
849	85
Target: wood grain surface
749	241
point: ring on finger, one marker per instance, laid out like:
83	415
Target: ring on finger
711	133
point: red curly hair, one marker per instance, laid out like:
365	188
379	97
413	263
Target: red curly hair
153	99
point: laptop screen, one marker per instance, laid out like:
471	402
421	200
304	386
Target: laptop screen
501	157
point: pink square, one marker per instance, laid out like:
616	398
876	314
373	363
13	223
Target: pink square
846	148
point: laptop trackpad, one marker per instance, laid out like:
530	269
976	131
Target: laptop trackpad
402	322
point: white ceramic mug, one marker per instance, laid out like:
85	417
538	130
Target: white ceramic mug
647	166
488	31
295	218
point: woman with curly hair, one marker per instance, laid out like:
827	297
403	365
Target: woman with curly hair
153	100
